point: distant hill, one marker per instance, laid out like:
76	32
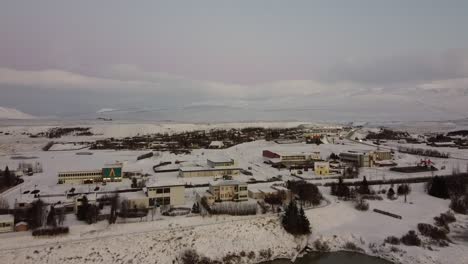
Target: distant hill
11	113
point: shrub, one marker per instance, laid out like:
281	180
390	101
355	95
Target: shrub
403	189
321	246
351	246
459	204
51	231
411	239
372	197
432	231
391	194
234	208
265	254
444	219
362	205
392	240
231	258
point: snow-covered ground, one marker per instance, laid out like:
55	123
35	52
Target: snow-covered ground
162	240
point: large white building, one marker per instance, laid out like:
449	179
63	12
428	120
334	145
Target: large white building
216	166
290	158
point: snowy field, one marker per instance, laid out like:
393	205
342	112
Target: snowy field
162	240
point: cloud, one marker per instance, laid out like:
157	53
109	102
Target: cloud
386	87
401	68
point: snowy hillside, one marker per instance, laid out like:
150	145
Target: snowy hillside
11	113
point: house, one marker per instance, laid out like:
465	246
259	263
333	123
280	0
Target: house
229	190
290	158
7	223
21	226
160	193
321	168
225	190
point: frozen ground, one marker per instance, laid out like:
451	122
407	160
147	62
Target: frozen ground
161	240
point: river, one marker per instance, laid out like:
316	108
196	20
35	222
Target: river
340	257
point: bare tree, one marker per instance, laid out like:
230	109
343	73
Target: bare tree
60	215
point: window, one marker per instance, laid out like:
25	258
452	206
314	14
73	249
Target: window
167	190
159	190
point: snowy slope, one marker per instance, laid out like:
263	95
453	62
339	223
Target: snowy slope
11	113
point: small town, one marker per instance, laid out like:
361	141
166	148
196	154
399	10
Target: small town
233	132
203	176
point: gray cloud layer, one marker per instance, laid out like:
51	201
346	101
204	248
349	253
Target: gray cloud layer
429	85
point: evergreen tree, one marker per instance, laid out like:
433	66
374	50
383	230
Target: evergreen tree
438	188
196	208
304	222
113	212
295	221
51	220
364	187
340	189
36	214
82	209
10	179
391	194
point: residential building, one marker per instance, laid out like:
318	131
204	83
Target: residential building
321	168
7	223
165	194
225	190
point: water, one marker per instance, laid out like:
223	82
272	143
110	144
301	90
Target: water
333	258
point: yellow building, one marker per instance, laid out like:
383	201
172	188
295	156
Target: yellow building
227	190
321	168
7	223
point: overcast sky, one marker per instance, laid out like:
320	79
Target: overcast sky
72	57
